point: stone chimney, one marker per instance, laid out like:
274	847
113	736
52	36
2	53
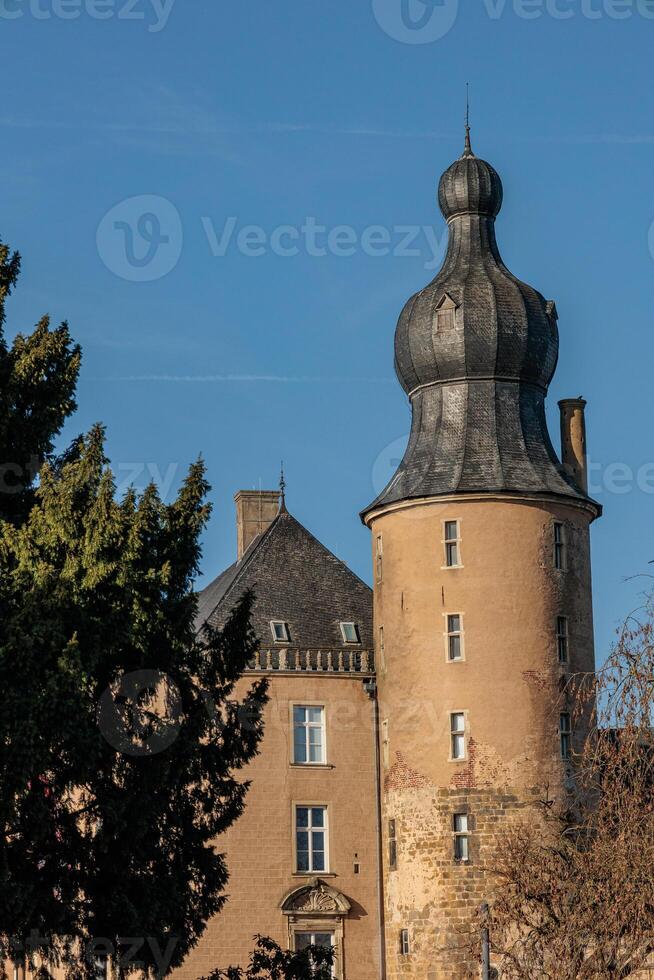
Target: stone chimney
573	440
255	511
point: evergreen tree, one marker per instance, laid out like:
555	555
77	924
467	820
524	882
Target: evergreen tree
120	734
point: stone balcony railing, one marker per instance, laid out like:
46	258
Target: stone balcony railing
287	660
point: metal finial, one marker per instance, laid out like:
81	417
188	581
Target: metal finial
468	147
282	491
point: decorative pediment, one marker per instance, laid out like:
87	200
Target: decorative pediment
552	311
315	898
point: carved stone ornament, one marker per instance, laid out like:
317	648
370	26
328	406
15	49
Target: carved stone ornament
315	898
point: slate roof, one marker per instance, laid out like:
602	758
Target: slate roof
295	580
477	377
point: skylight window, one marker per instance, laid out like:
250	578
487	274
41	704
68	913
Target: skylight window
350	632
280	632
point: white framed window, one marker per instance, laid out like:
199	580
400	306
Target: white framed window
461	828
305	940
457	735
379	557
309	735
280	631
565	734
311	841
350	633
392	845
385	740
452	543
560	547
405	945
454	636
562	639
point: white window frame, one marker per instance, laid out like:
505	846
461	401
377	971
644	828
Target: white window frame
280	622
461	835
449	541
322	725
449	633
405	942
458	733
565	735
317	931
563	639
355	628
296	830
560	546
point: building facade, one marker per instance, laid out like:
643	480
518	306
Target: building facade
385	781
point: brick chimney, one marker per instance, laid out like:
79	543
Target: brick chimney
573	440
255	511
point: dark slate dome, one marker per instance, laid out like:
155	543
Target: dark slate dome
476	350
476	319
470	186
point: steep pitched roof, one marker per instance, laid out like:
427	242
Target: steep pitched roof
295	580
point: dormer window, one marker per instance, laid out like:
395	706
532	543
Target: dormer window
446	314
350	633
280	632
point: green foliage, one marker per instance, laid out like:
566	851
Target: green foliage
270	962
120	734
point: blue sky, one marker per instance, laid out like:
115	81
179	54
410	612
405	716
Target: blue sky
290	115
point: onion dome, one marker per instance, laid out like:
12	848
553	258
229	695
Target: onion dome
476	350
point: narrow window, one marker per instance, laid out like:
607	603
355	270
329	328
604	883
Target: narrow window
454	637
311	838
392	845
458	735
560	547
405	947
452	540
350	633
382	649
461	838
379	557
280	632
565	732
308	735
385	743
562	638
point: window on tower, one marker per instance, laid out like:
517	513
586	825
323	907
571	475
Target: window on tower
565	734
405	945
379	557
454	637
452	542
392	845
461	826
560	547
562	638
458	735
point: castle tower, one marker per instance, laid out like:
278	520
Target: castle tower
482	593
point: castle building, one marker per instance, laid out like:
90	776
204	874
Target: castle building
385	781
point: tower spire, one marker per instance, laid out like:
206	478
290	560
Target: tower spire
282	491
468	147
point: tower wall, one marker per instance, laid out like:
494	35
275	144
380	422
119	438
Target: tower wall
510	597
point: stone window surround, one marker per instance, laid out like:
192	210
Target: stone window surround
316	907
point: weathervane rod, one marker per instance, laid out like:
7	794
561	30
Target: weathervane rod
468	148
